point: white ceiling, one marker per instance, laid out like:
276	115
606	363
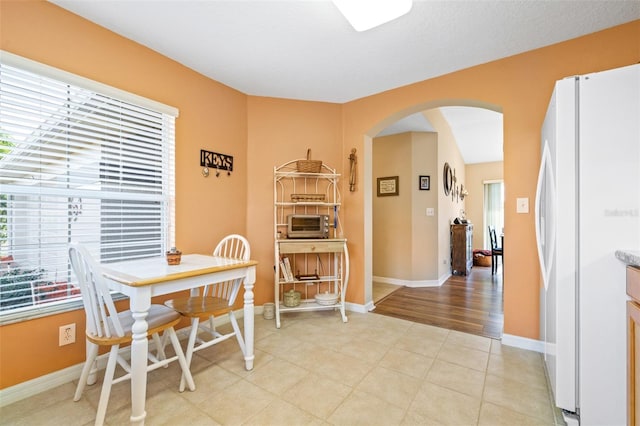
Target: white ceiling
477	131
305	49
411	123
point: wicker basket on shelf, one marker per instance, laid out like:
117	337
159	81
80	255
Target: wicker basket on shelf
308	198
291	298
309	165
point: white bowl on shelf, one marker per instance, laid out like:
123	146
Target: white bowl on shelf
326	299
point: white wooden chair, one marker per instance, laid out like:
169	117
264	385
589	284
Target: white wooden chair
107	327
214	300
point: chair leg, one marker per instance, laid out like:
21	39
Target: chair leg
212	326
106	385
186	373
160	342
92	354
236	329
190	346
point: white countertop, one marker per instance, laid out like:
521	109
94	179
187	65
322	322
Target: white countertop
630	257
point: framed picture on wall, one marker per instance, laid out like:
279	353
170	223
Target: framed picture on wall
424	183
387	186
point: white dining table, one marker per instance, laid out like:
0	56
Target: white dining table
143	279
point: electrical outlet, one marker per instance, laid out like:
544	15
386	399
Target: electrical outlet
67	334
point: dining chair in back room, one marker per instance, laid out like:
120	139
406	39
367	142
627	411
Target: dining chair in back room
496	251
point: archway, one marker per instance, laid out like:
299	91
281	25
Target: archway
369	179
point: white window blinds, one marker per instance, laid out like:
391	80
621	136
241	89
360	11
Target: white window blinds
77	164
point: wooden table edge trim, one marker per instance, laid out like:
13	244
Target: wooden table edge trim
135	282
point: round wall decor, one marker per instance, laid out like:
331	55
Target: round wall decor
447	179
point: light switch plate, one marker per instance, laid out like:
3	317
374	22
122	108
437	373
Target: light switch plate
430	211
522	205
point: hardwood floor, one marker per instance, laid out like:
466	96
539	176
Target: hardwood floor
472	304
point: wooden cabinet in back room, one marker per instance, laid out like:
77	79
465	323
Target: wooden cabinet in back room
461	249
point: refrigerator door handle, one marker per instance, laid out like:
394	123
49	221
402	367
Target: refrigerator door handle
545	175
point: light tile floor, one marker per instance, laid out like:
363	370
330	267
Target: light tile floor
373	370
381	290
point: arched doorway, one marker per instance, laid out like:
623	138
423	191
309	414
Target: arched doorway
430	218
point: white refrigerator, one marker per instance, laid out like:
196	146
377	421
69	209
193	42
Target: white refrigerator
587	207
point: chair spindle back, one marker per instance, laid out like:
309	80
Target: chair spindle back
102	317
232	246
492	237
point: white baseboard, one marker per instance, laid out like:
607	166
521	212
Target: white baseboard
361	309
444	278
57	378
410	283
39	384
523	343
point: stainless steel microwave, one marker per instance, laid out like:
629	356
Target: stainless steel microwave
308	226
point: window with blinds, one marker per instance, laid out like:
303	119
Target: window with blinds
76	165
493	209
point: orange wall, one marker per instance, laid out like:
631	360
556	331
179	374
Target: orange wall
279	131
520	86
212	116
262	132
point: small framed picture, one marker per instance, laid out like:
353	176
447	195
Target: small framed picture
387	186
424	183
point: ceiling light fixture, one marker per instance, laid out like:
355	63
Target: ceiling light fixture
366	14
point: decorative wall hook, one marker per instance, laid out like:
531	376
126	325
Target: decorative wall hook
352	170
216	160
454	188
463	192
205	171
